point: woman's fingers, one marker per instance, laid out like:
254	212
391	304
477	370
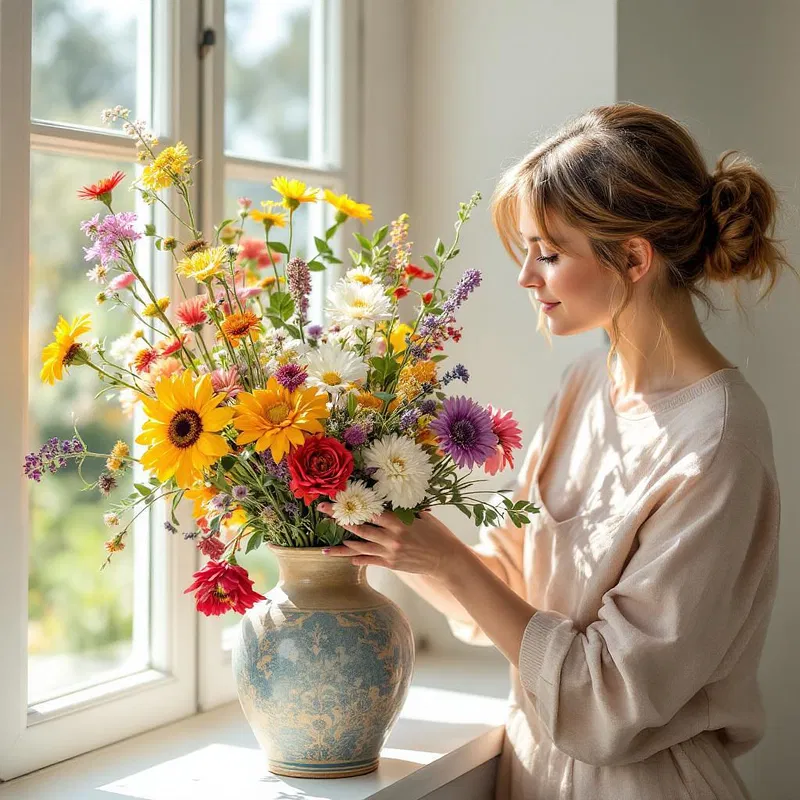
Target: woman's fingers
365	548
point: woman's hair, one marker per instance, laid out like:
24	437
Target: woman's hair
626	170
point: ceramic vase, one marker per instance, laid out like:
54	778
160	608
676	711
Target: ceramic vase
322	667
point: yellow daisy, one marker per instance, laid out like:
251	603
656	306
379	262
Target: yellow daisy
205	264
152	309
278	419
200	494
348	207
168	167
268	216
65	350
294	192
183	427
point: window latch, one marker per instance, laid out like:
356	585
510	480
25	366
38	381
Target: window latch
208	38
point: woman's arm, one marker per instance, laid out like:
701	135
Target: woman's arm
438	595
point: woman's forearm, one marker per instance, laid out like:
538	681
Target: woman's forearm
438	595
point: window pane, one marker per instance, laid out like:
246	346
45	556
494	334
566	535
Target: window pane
267	79
80	619
89	55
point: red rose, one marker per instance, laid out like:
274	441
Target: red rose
427	297
320	466
222	586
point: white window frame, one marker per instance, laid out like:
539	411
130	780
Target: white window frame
191	670
88	719
333	163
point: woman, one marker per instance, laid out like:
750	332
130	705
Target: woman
633	609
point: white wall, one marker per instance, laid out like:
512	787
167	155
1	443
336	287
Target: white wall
729	70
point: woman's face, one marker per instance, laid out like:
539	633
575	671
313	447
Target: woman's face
574	279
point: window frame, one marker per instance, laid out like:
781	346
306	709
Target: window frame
191	670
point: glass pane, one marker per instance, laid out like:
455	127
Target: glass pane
80	619
267	79
89	55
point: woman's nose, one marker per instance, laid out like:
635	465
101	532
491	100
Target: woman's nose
528	276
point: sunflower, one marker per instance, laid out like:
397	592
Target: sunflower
65	350
182	428
278	419
238	326
205	264
294	192
348	207
409	384
268	216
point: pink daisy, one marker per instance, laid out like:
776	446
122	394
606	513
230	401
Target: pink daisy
226	381
509	437
192	312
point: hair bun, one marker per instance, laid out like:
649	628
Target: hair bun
741	206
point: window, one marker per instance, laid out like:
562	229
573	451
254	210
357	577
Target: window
91	657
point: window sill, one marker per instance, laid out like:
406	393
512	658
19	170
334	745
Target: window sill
452	722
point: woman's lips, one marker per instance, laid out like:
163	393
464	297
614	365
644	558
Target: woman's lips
549	306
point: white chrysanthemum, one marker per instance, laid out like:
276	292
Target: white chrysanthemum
363	275
403	470
355	305
356	504
332	368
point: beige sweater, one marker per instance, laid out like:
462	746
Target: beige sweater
653	564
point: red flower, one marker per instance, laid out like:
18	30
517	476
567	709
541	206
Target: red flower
401	291
99	190
427	297
413	271
319	466
211	546
509	437
221	586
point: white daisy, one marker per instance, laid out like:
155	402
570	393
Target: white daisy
356	504
363	275
332	368
403	470
98	274
354	305
111	519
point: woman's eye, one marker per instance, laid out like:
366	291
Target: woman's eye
548	259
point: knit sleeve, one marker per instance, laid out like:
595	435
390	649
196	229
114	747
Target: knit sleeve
705	570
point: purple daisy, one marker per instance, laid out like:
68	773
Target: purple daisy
291	376
464	431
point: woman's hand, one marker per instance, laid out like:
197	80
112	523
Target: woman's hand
427	546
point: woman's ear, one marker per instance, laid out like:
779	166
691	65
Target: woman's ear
640	257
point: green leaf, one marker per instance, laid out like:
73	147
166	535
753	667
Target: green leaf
464	510
352	404
380	235
478	511
293	330
142	489
279	247
432	263
332	260
439	249
149	229
282	305
440	357
254	541
363	241
158	244
405	515
315	266
331	231
387	397
322	245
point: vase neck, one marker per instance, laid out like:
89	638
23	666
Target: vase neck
309	566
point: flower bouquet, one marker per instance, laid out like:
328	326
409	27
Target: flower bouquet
254	414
